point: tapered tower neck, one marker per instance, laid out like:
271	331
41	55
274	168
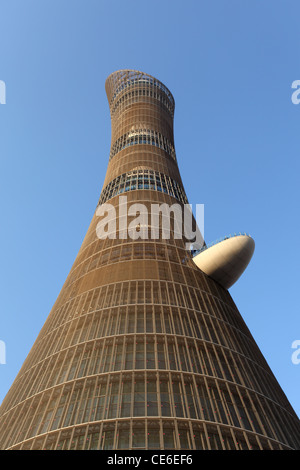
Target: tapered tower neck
142	115
141	106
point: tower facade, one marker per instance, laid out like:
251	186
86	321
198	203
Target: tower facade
143	349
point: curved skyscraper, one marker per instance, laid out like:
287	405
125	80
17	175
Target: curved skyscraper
144	347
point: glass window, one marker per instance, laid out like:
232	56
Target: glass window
138	437
108	438
129	356
139	399
152	399
153	438
140	355
184	439
168	436
165	399
126	399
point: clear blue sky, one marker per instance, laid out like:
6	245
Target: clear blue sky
230	65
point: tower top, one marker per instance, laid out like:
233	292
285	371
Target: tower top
117	81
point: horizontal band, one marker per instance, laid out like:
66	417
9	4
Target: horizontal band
143	179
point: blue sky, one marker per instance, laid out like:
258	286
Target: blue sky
230	66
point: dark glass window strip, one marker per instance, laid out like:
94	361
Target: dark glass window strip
137	93
143	179
143	136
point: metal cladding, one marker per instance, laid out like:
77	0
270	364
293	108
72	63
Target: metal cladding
142	349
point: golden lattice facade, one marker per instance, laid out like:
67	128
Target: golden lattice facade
142	350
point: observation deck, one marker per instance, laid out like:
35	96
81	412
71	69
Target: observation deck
226	259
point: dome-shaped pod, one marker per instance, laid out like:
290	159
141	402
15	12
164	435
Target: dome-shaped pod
225	261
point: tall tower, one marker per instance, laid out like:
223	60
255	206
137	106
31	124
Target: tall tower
144	347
